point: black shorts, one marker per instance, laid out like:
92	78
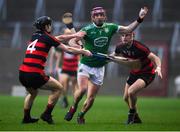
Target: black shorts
147	77
70	73
32	80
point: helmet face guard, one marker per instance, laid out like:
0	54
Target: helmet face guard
41	22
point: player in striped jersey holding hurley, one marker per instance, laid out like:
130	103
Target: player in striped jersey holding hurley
32	74
141	77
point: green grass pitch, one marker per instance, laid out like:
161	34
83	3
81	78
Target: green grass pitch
107	114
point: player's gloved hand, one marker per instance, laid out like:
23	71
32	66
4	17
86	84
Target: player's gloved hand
143	12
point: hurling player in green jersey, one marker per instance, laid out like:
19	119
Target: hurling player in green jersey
97	38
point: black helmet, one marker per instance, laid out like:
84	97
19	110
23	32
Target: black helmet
41	22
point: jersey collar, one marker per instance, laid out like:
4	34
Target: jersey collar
99	27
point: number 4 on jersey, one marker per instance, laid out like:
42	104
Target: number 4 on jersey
31	46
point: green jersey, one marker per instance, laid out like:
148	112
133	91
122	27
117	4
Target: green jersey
97	39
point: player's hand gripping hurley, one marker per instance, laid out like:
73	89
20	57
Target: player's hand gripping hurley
102	56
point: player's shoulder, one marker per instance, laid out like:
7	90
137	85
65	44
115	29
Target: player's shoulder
110	24
140	45
87	27
120	46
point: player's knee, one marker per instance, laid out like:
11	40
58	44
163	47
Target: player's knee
33	92
33	95
131	92
60	88
125	98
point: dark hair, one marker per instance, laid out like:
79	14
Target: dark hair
41	22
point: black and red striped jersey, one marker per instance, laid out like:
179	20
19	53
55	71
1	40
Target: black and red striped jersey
137	51
37	52
70	61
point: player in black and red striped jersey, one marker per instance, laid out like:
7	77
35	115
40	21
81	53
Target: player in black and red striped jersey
141	76
32	74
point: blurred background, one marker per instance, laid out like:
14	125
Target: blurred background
160	31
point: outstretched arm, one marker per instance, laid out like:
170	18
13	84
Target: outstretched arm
133	26
75	43
75	50
131	63
156	60
78	35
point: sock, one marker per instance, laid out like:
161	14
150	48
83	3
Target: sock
81	114
132	111
49	109
27	113
72	109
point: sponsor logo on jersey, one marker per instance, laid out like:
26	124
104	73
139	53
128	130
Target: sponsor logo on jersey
101	41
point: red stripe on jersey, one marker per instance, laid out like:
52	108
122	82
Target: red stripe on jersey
142	47
149	68
140	71
26	68
70	68
39	44
72	59
33	60
36	52
70	64
147	65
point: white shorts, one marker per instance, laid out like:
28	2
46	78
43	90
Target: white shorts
95	74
